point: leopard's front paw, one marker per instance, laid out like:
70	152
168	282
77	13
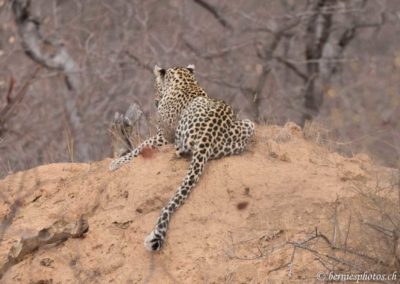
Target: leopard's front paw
115	164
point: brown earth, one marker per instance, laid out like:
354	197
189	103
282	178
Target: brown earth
238	226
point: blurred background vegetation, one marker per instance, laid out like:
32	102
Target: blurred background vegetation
66	66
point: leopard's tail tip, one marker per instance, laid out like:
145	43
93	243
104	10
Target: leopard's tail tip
153	242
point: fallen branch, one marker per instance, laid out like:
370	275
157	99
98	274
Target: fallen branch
292	67
58	232
139	62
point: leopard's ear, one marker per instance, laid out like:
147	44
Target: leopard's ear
158	71
190	67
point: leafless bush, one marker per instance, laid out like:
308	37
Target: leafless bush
363	237
128	130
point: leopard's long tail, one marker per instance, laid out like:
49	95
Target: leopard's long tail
155	239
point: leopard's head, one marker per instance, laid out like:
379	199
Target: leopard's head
166	80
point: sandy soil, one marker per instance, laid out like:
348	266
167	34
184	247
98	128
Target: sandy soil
234	228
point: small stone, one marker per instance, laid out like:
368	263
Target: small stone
275	151
242	205
46	262
294	129
283	136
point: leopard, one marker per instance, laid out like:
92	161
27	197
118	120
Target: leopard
200	127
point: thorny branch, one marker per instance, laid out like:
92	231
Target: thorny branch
266	56
292	67
139	62
307	245
213	11
13	101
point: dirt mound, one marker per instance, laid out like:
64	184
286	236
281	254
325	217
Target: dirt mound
236	227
